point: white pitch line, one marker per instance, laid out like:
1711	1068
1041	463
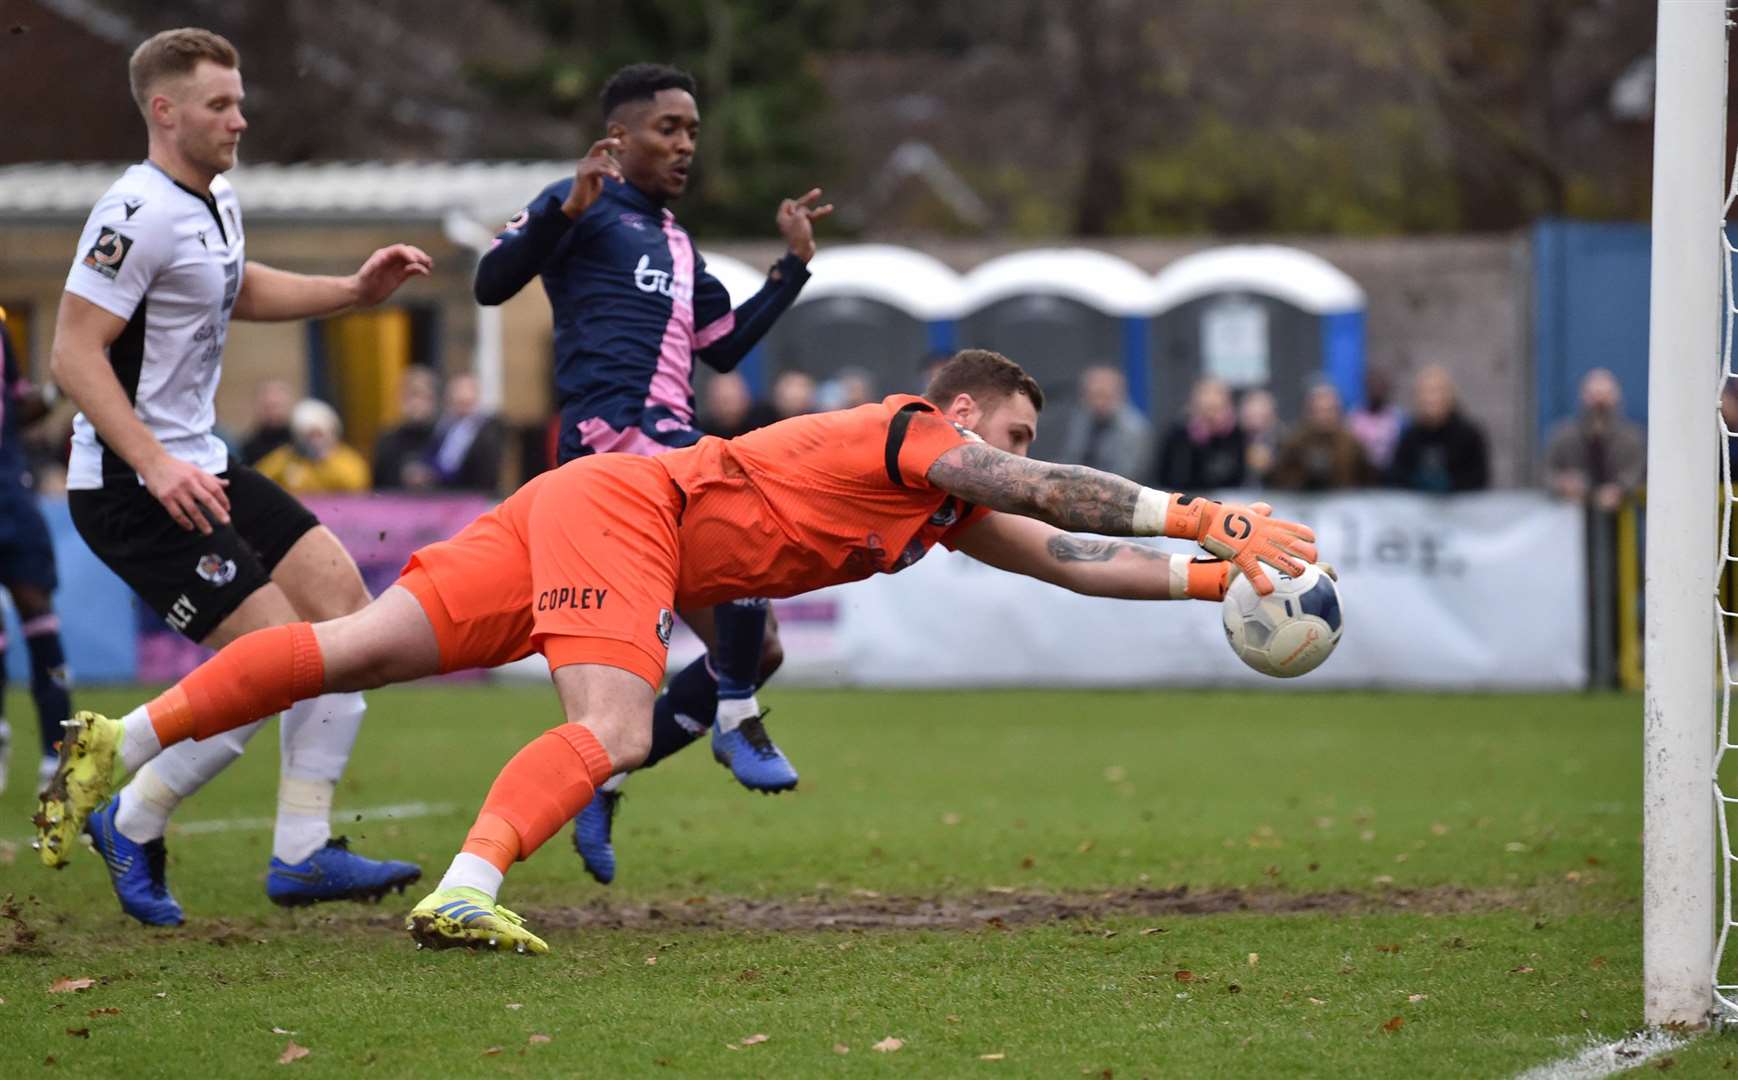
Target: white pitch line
393	812
1603	1059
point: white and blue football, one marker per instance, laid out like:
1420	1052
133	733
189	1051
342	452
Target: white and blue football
1291	630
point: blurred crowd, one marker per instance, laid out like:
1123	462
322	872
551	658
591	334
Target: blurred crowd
445	441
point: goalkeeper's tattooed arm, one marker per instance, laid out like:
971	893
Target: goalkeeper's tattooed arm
1078	499
1122	569
1073	498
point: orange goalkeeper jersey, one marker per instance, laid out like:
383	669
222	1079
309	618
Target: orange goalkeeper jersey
814	501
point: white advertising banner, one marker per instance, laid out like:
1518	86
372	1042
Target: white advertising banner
1457	593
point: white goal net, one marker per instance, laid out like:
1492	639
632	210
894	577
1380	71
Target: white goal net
1726	613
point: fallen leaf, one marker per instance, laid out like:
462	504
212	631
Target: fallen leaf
1315	1001
490	1052
514	1005
1028	862
952	1019
1416	997
1597	961
1116	774
281	1031
1382	879
1394	1024
1522	970
1084	846
1151	930
1184	976
79	1033
535	1039
650	960
65	986
292	1052
111	1011
992	1057
1254	959
888	1045
841	1048
160	995
755	1039
950	818
1388	948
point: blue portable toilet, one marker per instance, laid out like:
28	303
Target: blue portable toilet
877	307
1056	311
1256	315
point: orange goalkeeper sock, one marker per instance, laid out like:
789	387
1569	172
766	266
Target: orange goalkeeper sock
252	677
537	793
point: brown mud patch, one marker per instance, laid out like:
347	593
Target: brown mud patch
863	910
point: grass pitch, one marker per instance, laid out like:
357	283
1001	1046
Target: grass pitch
1122	884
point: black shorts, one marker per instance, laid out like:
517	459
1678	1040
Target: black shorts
194	581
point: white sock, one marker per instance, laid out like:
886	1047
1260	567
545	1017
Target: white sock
145	806
733	711
139	744
473	872
315	737
304	821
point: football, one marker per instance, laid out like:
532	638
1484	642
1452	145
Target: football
1291	630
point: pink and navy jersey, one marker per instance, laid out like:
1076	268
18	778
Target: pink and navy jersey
633	307
14	470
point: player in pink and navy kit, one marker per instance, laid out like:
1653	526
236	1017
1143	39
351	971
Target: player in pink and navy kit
634	308
27	569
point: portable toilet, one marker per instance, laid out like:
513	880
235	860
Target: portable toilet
1256	315
1055	312
877	307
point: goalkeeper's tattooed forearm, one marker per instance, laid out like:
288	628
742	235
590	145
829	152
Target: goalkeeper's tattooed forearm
1073	498
1065	548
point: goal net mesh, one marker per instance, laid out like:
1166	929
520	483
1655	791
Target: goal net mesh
1726	617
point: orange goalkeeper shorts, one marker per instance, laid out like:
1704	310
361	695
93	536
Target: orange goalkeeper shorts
579	564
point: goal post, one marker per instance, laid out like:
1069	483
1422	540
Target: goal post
1684	474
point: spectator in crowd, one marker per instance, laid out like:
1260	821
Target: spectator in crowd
467	441
728	408
401	456
848	388
1377	422
1440	451
1258	416
1205	450
1598	456
1106	432
793	394
1321	453
316	461
1729	413
272	401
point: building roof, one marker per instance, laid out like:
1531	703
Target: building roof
489	191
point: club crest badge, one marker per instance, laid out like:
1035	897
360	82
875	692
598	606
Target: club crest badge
666	625
216	570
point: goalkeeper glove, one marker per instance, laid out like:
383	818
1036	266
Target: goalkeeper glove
1245	536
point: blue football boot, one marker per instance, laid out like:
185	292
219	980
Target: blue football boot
749	753
334	872
136	870
591	835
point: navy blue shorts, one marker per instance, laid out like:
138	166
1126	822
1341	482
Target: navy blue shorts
26	553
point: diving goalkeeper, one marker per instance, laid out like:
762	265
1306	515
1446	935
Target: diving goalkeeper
587	564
